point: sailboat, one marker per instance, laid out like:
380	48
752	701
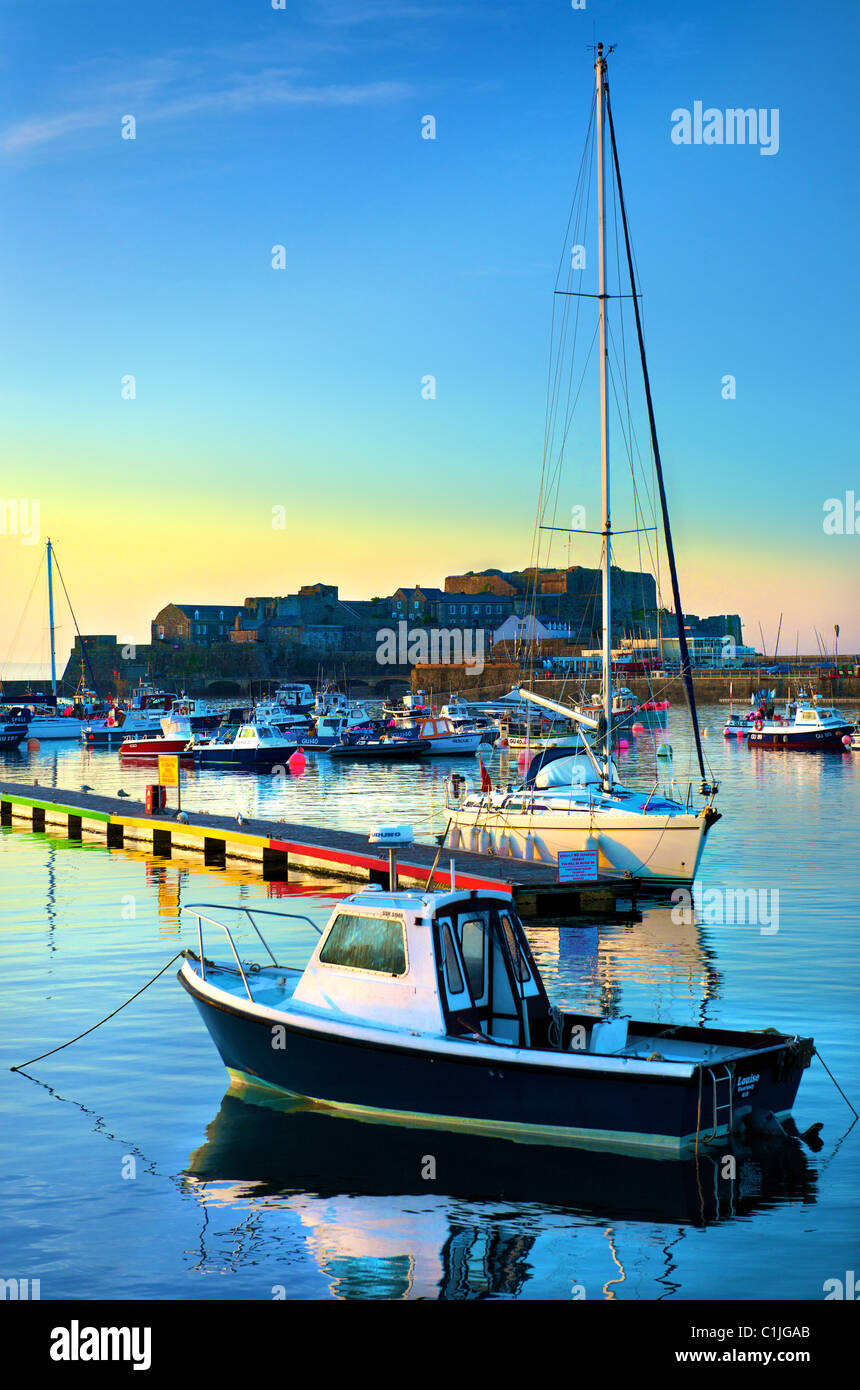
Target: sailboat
46	719
574	799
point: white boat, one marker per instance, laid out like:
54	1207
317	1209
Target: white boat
468	718
428	1009
120	724
255	747
575	800
188	716
805	726
45	723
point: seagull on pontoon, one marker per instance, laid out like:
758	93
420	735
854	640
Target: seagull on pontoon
127	795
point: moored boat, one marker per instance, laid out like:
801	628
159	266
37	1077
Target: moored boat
14	730
655	834
428	1008
388	745
440	734
254	747
150	749
807	726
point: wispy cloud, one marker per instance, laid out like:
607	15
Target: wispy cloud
157	96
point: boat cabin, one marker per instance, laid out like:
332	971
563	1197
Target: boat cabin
443	963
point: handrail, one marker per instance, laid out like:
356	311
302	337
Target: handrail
194	910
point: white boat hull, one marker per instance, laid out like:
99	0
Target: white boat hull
49	728
664	848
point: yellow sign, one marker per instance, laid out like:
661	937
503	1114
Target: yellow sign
168	769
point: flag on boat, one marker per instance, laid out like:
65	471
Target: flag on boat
486	779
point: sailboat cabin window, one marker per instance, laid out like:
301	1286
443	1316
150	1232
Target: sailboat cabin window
366	943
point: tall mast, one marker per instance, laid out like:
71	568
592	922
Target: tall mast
51	621
600	79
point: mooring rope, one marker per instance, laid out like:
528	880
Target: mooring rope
836	1084
22	1065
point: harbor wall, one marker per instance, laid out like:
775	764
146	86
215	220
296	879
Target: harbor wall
497	679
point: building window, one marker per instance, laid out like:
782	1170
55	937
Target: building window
197	613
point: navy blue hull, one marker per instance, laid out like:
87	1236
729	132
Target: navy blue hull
245	759
403	1082
829	739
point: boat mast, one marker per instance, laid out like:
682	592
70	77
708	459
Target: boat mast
51	621
600	78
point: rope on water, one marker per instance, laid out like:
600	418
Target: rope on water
22	1065
836	1084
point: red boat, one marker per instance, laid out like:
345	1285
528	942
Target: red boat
148	749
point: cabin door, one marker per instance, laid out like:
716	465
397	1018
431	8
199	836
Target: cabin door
486	964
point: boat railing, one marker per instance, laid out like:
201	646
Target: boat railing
197	910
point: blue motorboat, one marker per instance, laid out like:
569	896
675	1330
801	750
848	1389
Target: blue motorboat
428	1009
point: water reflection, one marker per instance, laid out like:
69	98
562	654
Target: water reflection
670	965
377	1226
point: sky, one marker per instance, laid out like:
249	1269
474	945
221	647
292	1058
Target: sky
300	388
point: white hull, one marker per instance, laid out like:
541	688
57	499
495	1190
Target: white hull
653	847
48	728
454	743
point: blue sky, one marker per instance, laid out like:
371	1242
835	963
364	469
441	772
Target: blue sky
404	257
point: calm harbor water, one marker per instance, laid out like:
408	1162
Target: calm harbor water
127	1168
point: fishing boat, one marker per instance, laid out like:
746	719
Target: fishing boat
578	802
806	726
49	718
118	725
440	734
428	1009
248	747
468	717
410	705
739	725
14	730
187	717
293	697
327	731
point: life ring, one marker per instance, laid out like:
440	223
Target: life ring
758	726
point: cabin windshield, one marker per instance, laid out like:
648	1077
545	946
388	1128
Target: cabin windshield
358	942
